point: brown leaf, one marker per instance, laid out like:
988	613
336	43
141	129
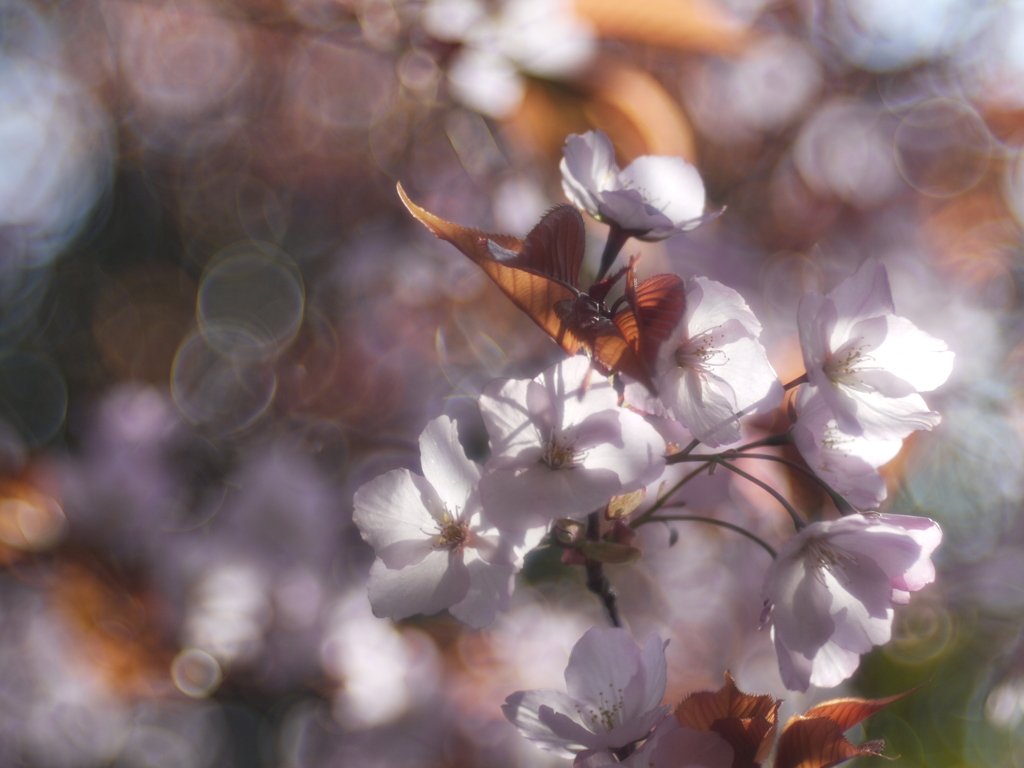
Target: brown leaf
817	742
746	722
816	739
847	712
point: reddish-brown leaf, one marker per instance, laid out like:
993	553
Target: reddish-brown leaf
658	303
817	742
746	722
847	712
534	293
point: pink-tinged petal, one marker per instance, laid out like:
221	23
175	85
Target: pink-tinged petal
704	404
445	465
710	304
490	591
516	500
848	463
653	673
635	729
629	209
863	295
690	748
754	383
577	390
523	709
595	758
861	604
602	660
565	727
802	602
816	316
794	668
392	512
918	358
631	448
439	581
928	536
670	186
833	665
508	421
880	417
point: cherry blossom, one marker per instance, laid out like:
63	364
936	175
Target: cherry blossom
829	595
614	692
561	446
540	37
712	369
433	549
848	463
867	364
653	198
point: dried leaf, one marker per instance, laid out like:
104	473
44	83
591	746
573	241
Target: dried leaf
626	504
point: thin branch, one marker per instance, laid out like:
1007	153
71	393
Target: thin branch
665	497
723	524
841	503
798	522
689	449
795	382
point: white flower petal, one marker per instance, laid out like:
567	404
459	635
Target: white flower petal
445	465
865	294
392	511
522	709
913	355
437	582
490	591
653	198
670	185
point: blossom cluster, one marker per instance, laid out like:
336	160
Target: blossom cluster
578	443
612	715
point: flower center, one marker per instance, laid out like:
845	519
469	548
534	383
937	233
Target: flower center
606	713
843	366
821	556
560	453
697	354
452	533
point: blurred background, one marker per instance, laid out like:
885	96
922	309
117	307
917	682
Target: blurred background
217	322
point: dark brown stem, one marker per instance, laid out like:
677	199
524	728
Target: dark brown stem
597	582
617	238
